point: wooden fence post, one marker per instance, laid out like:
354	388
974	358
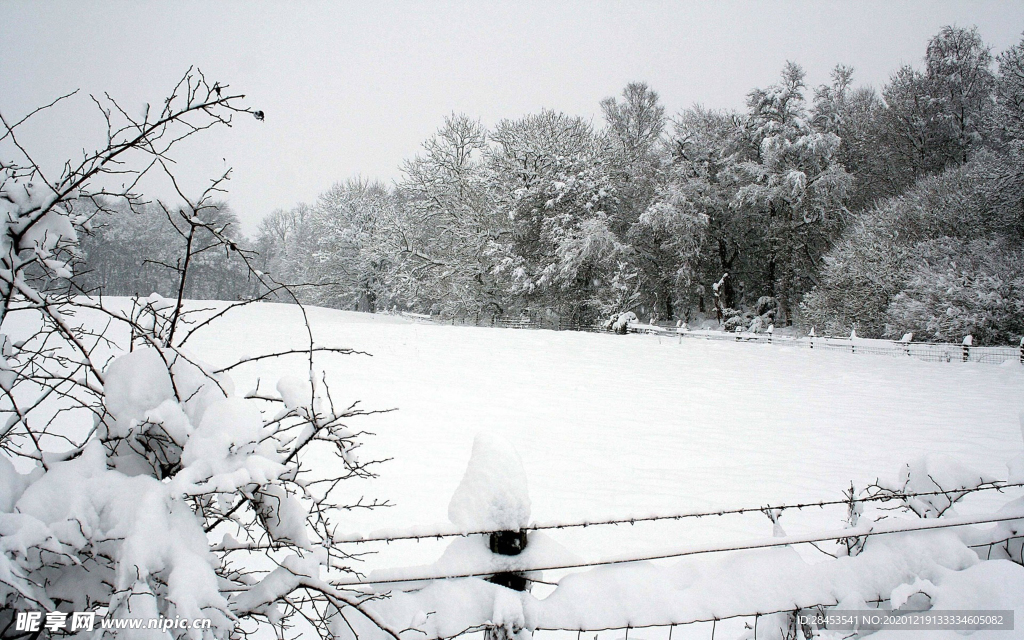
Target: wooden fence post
1022	350
966	347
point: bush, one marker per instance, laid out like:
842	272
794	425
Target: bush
152	488
962	289
883	253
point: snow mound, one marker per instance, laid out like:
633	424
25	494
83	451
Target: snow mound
493	494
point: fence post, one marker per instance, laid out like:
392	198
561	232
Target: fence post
493	497
509	543
1022	351
968	341
905	341
811	337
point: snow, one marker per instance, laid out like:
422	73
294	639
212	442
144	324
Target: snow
137	519
608	424
12	484
284	515
604	425
1016	466
230	427
295	391
707	587
492	495
134	384
612	425
901	594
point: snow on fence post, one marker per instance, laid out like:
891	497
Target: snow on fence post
811	336
493	497
966	347
905	341
771	331
1022	350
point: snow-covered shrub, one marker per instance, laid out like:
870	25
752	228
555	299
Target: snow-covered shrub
619	322
135	481
959	289
897	270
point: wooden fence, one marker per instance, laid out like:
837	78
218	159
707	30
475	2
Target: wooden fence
927	351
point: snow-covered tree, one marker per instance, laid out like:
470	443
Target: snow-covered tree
936	117
352	223
961	81
128	252
794	187
855	115
649	214
705	150
1009	93
902	240
556	192
447	226
284	242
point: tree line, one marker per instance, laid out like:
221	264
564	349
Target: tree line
888	211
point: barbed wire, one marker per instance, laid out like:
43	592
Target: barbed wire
439	534
682	623
925	524
652	625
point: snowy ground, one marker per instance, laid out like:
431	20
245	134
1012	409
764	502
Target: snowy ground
613	425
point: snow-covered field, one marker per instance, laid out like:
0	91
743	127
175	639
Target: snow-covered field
612	426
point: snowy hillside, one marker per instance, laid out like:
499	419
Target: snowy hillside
612	425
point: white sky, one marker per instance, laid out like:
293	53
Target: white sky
354	88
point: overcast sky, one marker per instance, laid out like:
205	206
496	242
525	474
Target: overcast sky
354	88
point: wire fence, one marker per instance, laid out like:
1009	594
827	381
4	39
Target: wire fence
671	625
414	577
862	531
855	534
952	495
441	532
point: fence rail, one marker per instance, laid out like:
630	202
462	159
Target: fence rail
926	351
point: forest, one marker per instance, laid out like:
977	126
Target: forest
843	207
